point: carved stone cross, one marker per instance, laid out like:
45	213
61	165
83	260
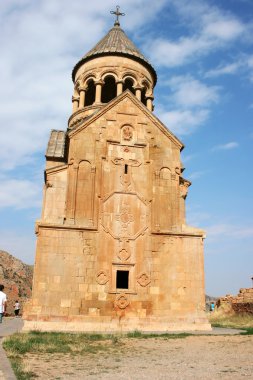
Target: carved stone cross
126	174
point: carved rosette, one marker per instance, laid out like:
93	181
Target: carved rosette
124	255
125	217
102	277
143	279
121	301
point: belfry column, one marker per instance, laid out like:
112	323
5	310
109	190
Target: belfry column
75	101
150	102
119	87
138	92
98	85
82	97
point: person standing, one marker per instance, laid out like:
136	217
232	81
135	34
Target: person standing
3	302
16	308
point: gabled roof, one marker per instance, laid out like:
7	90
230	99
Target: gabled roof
115	42
117	100
56	144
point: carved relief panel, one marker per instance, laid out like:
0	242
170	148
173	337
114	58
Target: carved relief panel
124	169
124	215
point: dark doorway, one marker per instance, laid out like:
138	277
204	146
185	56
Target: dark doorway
122	279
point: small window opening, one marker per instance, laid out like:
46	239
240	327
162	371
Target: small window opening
128	85
126	169
122	279
109	90
90	94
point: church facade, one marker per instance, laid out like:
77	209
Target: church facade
114	252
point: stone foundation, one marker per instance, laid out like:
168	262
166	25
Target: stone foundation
117	325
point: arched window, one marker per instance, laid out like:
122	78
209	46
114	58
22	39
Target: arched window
128	85
109	90
90	93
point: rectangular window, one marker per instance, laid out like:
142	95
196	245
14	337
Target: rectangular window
122	279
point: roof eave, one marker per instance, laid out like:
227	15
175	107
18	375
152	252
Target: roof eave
94	56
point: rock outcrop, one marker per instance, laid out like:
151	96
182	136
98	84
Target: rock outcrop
16	277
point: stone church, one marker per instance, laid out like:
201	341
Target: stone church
114	252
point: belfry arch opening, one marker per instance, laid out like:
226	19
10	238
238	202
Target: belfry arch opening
129	85
109	89
143	96
90	93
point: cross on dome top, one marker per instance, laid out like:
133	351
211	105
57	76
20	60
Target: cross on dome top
117	13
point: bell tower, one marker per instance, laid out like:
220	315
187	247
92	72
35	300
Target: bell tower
111	67
114	252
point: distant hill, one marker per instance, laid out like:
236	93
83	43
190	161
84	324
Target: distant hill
16	277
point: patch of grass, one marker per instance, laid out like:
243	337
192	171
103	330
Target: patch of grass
138	334
248	331
53	342
237	321
20	373
36	342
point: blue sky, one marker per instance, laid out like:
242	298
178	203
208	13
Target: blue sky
202	52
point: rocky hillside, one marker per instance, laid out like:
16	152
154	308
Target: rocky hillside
16	278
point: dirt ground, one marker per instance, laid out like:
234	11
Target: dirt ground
194	357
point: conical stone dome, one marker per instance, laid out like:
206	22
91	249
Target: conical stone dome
117	43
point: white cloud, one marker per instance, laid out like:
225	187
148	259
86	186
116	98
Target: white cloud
190	103
190	92
227	146
19	194
229	230
212	28
183	122
164	52
244	63
224	28
226	69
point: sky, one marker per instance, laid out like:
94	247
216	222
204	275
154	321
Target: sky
202	52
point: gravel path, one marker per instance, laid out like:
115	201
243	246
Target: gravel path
213	356
194	357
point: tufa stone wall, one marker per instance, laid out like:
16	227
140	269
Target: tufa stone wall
242	303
